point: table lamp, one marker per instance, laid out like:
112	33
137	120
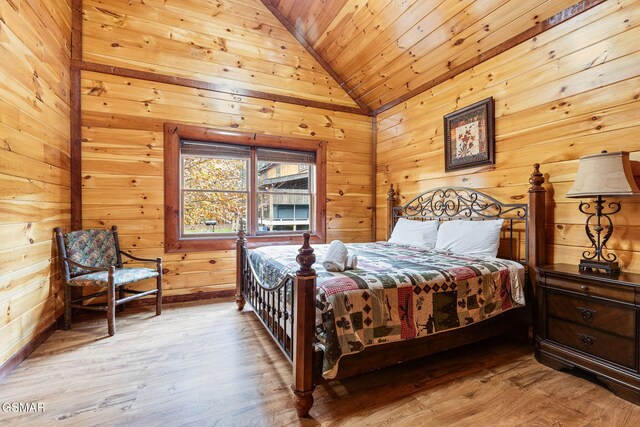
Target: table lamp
602	175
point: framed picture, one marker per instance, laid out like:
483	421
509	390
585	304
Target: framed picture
469	136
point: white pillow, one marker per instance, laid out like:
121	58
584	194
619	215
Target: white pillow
476	238
415	233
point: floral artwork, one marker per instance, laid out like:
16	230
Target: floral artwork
467	140
469	136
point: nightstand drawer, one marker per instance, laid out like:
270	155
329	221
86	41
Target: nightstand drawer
610	347
591	288
605	317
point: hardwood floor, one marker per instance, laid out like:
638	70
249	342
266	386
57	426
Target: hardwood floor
204	363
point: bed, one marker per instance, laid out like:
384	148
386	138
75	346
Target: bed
402	302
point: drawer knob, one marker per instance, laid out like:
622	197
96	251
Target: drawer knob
584	288
587	340
586	313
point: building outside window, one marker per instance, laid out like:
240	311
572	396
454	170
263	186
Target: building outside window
286	190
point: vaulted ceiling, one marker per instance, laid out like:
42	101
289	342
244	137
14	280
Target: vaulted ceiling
384	49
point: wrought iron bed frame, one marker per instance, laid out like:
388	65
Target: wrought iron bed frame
460	203
288	310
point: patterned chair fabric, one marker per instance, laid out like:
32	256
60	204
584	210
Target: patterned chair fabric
122	276
93	248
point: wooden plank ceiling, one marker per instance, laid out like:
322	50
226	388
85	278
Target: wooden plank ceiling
383	49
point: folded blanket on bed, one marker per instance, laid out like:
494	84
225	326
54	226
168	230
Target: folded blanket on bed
352	262
336	257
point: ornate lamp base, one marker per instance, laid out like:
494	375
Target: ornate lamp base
587	265
596	260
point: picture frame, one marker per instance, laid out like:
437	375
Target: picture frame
469	138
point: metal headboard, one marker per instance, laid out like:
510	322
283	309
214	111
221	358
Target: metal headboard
451	203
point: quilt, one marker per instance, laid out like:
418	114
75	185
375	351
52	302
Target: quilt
397	293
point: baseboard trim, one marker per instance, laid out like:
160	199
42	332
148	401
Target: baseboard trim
14	361
171	299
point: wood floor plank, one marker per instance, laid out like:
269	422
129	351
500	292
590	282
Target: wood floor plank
204	363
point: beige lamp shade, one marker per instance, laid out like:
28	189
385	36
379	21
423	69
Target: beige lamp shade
604	174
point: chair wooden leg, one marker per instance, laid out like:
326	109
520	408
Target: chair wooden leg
121	295
111	308
159	294
67	307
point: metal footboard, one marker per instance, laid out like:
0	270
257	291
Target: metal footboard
273	305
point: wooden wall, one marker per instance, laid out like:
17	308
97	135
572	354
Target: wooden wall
235	43
34	164
122	157
569	92
122	165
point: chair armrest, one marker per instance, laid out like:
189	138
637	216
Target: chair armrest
86	267
135	258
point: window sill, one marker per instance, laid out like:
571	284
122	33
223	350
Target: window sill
229	243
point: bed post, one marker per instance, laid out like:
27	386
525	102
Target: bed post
304	308
536	222
240	244
391	202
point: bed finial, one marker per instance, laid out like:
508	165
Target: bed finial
306	258
241	242
537	179
391	202
536	223
304	324
242	234
391	194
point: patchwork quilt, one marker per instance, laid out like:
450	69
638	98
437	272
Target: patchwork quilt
397	293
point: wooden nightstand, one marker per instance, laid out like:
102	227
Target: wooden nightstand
590	321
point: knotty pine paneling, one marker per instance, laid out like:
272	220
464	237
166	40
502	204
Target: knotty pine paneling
384	49
236	43
34	165
473	28
314	17
122	165
571	91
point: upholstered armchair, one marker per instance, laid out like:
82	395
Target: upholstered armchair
94	258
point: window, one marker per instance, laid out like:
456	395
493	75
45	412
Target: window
286	195
217	182
214	188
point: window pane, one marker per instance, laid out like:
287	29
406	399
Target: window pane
283	212
285	156
207	173
213	212
209	149
284	177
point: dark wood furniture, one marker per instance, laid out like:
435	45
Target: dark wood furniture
101	266
590	321
294	329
